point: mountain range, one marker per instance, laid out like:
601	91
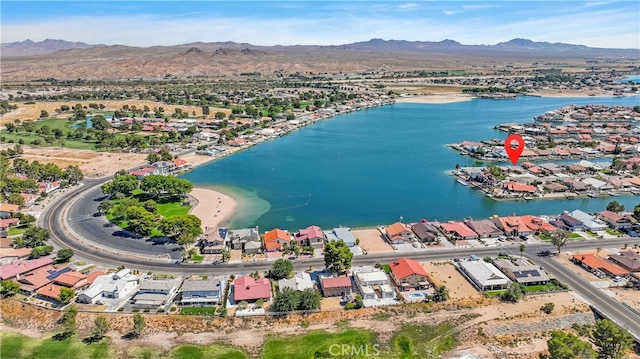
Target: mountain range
63	59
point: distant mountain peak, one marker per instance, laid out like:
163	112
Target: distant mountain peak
29	47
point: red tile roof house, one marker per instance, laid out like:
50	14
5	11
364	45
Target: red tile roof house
7	210
335	286
537	224
407	273
29	198
6	223
399	233
180	163
48	187
458	230
9	255
311	236
34	280
485	228
593	262
9	271
50	291
75	280
520	188
512	226
275	238
250	290
615	220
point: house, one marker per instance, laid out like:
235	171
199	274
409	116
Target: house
615	220
300	282
48	187
425	231
275	239
72	279
516	187
9	255
590	222
335	286
29	198
164	168
32	281
458	230
250	290
214	240
341	234
573	224
370	280
155	293
407	273
484	276
9	271
112	286
537	224
521	271
628	260
7	223
180	164
484	228
7	210
144	172
512	226
310	236
246	239
398	233
594	263
203	292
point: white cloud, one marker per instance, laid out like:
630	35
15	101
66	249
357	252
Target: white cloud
408	6
451	12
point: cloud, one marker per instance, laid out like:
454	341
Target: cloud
408	6
451	12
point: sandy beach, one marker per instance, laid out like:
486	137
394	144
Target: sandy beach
436	98
213	206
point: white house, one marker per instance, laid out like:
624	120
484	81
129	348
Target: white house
341	234
300	281
203	292
485	276
369	279
155	293
114	286
590	222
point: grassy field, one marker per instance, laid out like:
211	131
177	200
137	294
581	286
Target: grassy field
206	352
198	311
422	341
320	344
170	209
16	230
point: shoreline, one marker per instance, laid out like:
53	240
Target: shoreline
213	207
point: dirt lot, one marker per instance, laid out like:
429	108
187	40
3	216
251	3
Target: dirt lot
629	296
371	241
32	111
446	274
92	164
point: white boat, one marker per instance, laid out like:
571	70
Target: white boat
462	182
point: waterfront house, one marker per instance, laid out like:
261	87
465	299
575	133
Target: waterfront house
591	223
516	187
573	224
594	263
615	220
246	239
113	286
155	293
371	282
164	168
537	224
425	231
512	226
335	286
521	271
203	292
398	233
484	228
341	234
214	240
275	239
407	273
458	230
484	276
299	282
628	260
311	236
180	164
250	290
7	210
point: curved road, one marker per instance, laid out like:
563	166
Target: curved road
73	225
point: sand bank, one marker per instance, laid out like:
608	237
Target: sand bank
213	207
436	98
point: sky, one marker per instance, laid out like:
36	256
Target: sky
148	23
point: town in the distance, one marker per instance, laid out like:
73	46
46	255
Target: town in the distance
143	214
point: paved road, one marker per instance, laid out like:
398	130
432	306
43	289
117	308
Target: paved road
80	222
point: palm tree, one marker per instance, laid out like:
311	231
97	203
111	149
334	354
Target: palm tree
441	294
598	250
522	248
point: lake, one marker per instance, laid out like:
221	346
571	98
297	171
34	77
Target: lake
371	167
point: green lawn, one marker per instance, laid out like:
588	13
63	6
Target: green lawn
612	232
16	230
545	237
214	351
17	346
495	293
198	311
575	236
385	267
592	234
171	209
319	344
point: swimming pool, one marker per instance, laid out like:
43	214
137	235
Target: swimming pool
416	295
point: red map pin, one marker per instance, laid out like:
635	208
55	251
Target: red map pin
514	153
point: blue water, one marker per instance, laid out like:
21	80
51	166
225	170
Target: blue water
631	78
373	166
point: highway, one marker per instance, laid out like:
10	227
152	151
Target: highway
72	224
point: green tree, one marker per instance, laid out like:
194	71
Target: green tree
309	299
64	255
151	206
548	307
105	206
16	198
123	183
286	301
559	238
205	111
611	340
568	346
40	251
220	115
337	257
441	294
614	206
68	320
522	248
100	327
73	174
100	123
280	269
140	221
153	157
66	295
44	114
186	228
636	212
8	288
35	237
138	325
514	293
